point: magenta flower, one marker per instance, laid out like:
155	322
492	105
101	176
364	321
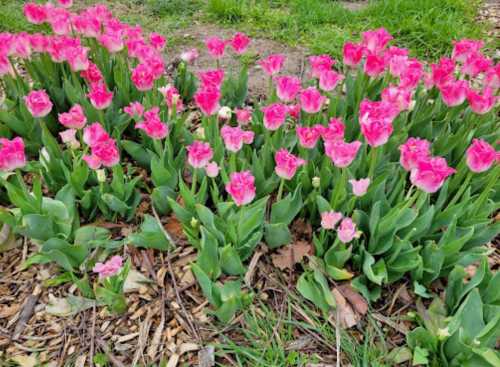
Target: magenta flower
311	100
442	72
352	53
240	43
199	154
104	153
38	103
35	13
480	156
414	151
334	131
329	79
92	74
464	47
99	96
481	103
109	268
341	153
157	41
359	187
143	77
274	115
347	230
207	100
430	174
134	109
287	164
374	65
309	136
294	111
235	137
272	64
215	46
287	87
376	121
93	134
330	219
454	93
65	3
320	64
74	118
12	154
243	115
241	187
376	40
397	96
113	42
377	133
212	169
211	78
475	64
152	124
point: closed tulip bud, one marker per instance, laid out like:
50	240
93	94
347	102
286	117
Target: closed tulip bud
194	222
412	105
442	334
224	113
316	182
101	175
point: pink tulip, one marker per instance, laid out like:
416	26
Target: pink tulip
235	137
341	153
241	187
199	154
243	115
92	74
65	3
453	93
320	64
287	87
134	109
74	118
396	59
294	111
215	47
414	151
68	137
347	230
35	13
99	96
157	41
39	42
95	133
464	47
334	131
376	121
274	115
272	64
12	154
152	124
309	136
397	96
481	103
172	97
77	58
111	41
411	75
211	78
480	156
207	100
329	79
492	77
103	153
240	43
311	100
376	40
59	20
430	174
359	187
190	56
352	53
330	219
38	103
377	133
212	169
21	46
374	65
475	64
109	268
143	77
287	164
442	72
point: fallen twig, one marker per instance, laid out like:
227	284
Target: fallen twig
26	312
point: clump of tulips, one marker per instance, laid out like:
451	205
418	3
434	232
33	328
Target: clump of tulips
391	160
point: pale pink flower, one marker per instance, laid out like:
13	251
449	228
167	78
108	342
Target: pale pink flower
334	131
240	43
309	136
347	230
376	40
134	109
464	47
157	41
109	268
287	87
190	56
341	153
207	100
329	79
454	93
320	64
274	115
215	46
311	100
212	169
287	164
352	53
330	219
68	137
35	13
143	77
398	96
492	77
480	156
272	64
111	41
430	174
481	103
99	96
211	78
199	154
235	137
243	115
359	187
172	97
74	118
38	103
241	187
12	154
396	59
413	151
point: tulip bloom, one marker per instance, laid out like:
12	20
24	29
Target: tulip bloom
211	78
311	100
68	137
212	169
99	96
464	47
74	118
152	125
359	187
243	115
454	93
190	56
199	154
414	151
235	137
38	103
287	164
241	187
334	131
481	103
274	115
172	97
287	87
341	153
376	40
207	100
329	79
109	268
309	136
240	43
480	156
143	77
12	154
134	109
397	96
374	65
215	46
272	64
352	53
430	174
347	230
35	13
330	219
320	64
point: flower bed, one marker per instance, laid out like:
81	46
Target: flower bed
390	160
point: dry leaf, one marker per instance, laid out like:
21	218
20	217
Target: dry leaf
348	318
174	227
289	255
135	280
25	361
68	306
8	311
206	357
174	359
355	299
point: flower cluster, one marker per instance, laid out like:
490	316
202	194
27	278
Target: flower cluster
103	148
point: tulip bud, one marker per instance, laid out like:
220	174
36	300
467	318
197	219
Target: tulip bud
442	334
194	222
316	182
412	105
199	133
101	175
225	113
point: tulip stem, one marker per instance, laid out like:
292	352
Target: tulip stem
460	191
373	162
280	189
193	182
